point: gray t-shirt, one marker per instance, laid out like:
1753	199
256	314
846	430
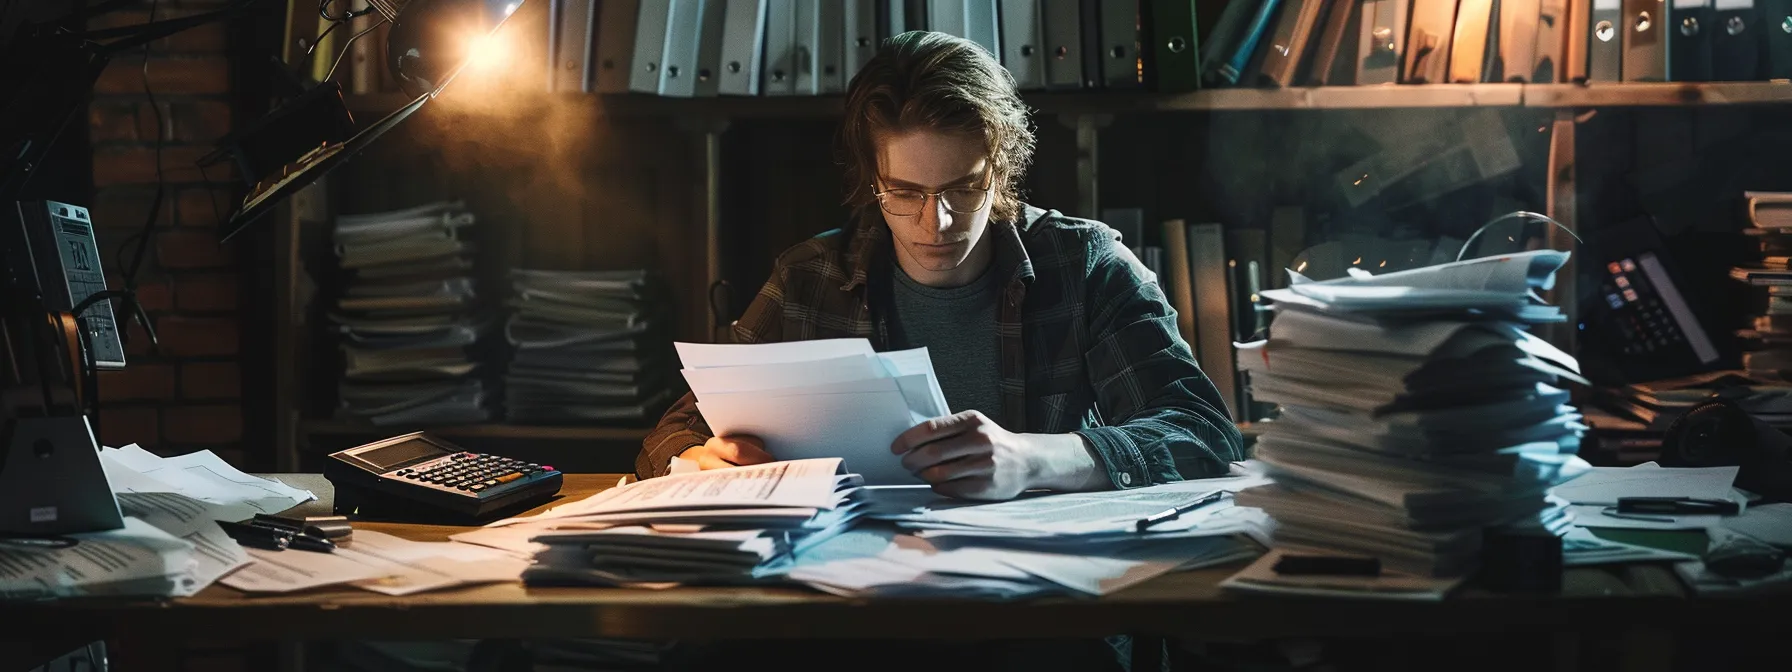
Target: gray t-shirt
957	325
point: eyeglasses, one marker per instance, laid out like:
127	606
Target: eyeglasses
909	202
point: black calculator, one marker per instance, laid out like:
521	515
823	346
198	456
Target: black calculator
421	478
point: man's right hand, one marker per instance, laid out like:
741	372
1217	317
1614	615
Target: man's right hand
721	452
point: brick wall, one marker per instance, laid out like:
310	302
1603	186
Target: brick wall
187	396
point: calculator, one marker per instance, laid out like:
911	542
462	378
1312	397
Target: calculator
418	477
1644	318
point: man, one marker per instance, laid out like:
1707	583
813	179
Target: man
1059	351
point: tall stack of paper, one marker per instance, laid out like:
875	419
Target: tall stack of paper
586	348
809	399
1416	411
711	527
408	315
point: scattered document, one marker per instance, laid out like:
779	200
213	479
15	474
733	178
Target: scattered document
202	475
1261	577
380	563
215	554
812	399
1581	548
137	559
1604	485
1769	523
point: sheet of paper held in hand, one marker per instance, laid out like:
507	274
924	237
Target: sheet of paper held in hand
796	483
813	399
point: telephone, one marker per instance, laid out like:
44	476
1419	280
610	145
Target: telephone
421	478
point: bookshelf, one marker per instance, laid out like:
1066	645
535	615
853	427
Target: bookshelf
1539	96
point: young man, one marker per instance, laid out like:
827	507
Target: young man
1059	351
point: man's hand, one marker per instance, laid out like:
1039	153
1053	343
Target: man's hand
968	455
721	452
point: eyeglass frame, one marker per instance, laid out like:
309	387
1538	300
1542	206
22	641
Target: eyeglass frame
937	195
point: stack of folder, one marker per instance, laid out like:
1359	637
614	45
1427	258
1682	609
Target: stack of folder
586	348
1769	336
1416	411
408	317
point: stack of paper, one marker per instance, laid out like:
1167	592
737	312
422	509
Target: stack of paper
407	317
810	399
587	348
710	527
1077	544
1415	411
170	544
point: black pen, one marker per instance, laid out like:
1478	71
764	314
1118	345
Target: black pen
1678	505
1174	513
255	536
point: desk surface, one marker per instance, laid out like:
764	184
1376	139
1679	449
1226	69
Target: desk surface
1178	604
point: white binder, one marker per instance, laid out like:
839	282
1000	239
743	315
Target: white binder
709	48
980	26
946	16
1063	44
861	36
743	42
572	44
615	44
808	41
1023	50
780	49
830	47
684	27
646	73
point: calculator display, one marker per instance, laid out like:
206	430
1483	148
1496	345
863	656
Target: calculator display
387	457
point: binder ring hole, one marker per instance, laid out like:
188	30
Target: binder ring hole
653	67
863	42
777	75
733	67
1027	49
1735	25
1119	52
609	64
1689	27
1062	52
671	71
1176	46
827	70
703	75
1605	31
1643	21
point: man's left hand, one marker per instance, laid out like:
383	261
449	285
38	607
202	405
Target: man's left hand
967	455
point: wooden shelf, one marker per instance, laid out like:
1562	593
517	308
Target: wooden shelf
538	432
1551	96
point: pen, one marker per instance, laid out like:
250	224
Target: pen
1678	505
253	536
1174	513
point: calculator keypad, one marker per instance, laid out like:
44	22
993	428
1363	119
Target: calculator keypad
1642	319
470	472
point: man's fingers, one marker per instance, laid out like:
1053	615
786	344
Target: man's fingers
740	450
960	469
934	430
950	448
710	461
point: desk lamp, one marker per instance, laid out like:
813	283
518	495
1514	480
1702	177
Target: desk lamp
51	480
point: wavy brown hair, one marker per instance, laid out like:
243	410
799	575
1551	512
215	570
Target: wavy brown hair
922	79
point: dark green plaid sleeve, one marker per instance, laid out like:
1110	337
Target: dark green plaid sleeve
1165	421
682	426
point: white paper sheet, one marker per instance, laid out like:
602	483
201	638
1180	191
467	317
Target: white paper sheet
858	427
811	484
707	355
201	475
1769	523
1604	485
214	552
780	376
137	559
380	563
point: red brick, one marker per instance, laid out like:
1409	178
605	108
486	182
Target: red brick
192	249
121	425
137	342
136	164
210	380
138	382
124	209
216	423
197	336
152	292
167	76
200	121
204	208
210	37
122	121
208	292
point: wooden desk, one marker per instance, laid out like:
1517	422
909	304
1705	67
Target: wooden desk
1616	600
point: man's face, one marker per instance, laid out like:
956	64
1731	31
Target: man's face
936	246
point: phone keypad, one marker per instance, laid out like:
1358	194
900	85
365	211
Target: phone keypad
470	472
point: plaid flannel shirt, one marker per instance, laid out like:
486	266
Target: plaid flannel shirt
1088	344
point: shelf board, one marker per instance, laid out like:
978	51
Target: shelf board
495	431
1599	94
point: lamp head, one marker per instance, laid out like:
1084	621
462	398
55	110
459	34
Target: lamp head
431	40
